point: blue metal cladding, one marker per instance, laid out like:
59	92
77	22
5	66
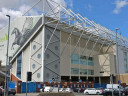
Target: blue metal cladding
11	85
97	85
31	87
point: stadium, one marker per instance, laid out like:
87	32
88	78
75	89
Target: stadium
66	46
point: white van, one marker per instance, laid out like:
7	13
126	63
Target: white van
114	86
48	89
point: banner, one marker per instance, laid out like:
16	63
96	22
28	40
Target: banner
20	30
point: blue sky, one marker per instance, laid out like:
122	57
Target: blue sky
108	13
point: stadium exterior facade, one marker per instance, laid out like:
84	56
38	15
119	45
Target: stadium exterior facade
65	46
50	52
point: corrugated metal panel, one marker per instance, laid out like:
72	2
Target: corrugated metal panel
97	85
31	87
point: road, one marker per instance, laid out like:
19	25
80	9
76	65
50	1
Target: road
35	94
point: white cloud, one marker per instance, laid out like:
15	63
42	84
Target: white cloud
4	12
119	4
69	3
16	8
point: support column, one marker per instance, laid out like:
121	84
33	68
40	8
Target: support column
94	79
70	61
99	80
43	48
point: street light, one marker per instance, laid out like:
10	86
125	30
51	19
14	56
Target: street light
117	53
7	60
117	60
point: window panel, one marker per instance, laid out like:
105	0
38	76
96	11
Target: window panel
83	60
90	61
90	72
125	62
19	62
75	59
74	71
83	71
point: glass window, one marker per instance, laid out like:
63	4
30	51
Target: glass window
90	61
33	66
83	71
125	62
38	75
74	71
75	59
19	62
90	72
83	60
39	56
34	47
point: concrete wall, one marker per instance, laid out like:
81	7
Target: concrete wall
104	63
14	67
65	65
65	56
120	60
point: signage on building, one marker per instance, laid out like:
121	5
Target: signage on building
20	30
119	81
80	80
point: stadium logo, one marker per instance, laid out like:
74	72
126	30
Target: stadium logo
5	38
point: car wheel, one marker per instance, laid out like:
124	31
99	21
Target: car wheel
86	93
97	93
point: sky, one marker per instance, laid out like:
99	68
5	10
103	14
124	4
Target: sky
108	13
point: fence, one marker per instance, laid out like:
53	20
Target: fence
31	87
97	85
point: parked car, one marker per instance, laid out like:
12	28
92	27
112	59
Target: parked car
11	91
102	89
92	91
1	91
55	89
126	91
81	90
61	89
68	90
42	89
115	92
48	89
76	90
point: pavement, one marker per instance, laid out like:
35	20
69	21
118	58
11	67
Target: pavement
28	94
35	94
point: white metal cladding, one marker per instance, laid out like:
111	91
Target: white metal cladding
25	62
52	54
67	16
36	57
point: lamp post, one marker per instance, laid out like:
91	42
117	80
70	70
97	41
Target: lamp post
117	60
7	60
